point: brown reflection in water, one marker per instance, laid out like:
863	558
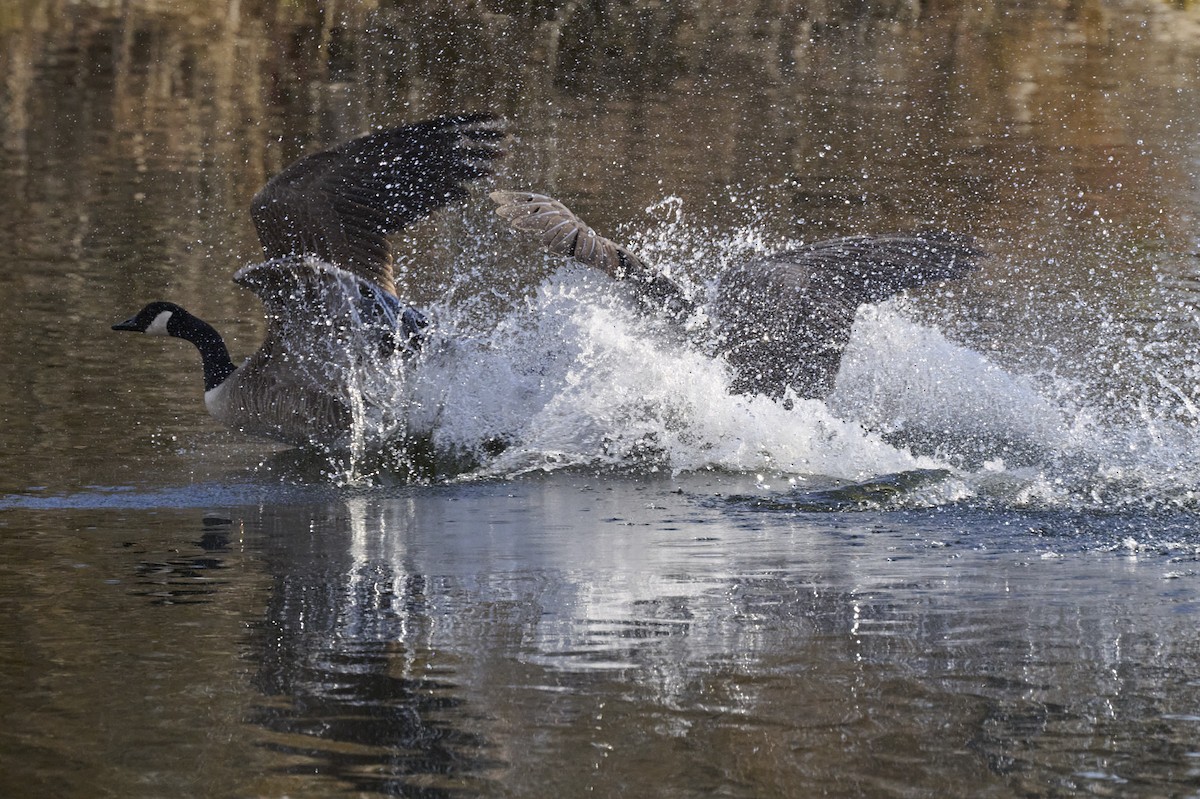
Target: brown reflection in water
121	654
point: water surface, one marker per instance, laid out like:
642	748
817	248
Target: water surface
971	571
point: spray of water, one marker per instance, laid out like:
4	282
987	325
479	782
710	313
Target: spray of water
574	375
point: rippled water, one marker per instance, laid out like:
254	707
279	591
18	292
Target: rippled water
971	571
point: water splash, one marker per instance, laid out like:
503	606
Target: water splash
573	376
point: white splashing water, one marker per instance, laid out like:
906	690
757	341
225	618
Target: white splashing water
575	376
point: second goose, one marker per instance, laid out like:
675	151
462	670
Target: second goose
782	321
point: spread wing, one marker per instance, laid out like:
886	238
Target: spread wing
863	269
326	358
563	233
340	204
560	232
319	315
787	318
783	320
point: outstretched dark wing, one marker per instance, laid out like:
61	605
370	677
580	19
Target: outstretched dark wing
785	319
340	204
863	269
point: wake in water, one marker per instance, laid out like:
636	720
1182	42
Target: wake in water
575	377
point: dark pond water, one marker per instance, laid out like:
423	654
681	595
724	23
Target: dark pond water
974	570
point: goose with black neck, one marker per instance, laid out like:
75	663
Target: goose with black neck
333	313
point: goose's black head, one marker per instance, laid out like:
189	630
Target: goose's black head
156	319
168	319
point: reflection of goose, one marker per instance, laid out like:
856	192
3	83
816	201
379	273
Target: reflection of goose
783	320
327	282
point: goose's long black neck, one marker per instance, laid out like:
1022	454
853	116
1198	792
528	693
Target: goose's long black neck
213	352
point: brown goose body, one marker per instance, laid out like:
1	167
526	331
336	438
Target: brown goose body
260	399
781	321
327	286
296	388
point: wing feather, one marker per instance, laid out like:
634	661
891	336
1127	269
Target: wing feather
340	204
561	232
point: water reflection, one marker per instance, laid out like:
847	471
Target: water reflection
356	694
343	718
530	634
543	637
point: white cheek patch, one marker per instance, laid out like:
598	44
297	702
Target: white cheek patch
159	326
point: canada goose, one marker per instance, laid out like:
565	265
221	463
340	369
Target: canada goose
327	285
782	321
